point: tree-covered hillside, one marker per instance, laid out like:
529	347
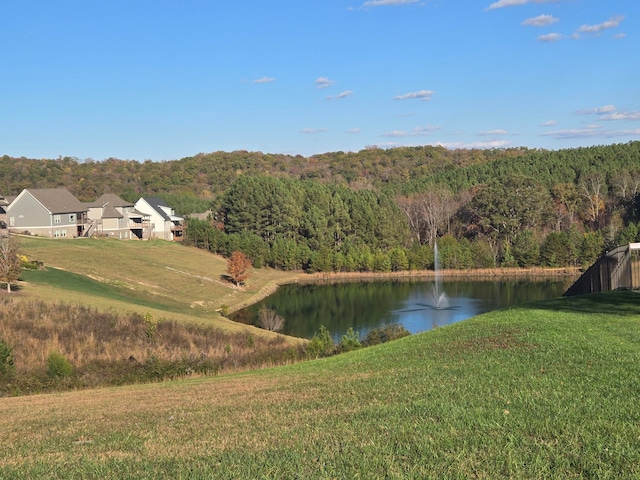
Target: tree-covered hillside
379	209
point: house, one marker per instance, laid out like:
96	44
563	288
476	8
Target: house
165	224
4	203
49	212
112	216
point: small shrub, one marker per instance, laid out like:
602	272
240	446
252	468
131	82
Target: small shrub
385	334
350	341
7	368
151	325
58	366
321	345
270	320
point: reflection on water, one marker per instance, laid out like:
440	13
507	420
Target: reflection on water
368	305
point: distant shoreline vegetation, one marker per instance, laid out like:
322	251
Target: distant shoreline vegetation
381	210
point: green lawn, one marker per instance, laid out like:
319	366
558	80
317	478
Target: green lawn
542	391
161	277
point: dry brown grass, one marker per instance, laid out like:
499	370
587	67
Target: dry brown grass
109	348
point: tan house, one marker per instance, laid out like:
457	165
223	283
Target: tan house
48	212
111	216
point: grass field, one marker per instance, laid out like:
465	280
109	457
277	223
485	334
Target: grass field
541	391
165	278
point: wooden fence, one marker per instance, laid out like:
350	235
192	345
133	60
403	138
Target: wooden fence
617	269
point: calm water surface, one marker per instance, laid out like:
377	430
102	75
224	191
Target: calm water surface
368	305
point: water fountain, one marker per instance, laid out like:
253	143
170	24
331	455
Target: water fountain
439	297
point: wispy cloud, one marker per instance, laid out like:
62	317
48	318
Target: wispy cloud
264	80
353	130
344	94
597	110
613	22
493	132
541	21
459	145
384	3
590	132
422	95
621	116
551	37
323	82
548	123
311	131
418	131
514	3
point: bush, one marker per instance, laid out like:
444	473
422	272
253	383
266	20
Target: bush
7	368
270	320
350	341
58	366
385	334
321	345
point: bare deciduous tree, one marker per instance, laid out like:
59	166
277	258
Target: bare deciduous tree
9	261
270	320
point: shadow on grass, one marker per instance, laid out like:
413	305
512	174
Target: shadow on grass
80	283
619	302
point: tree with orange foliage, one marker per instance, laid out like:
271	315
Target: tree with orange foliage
238	267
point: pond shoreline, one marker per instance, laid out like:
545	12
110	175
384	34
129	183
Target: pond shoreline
340	277
474	274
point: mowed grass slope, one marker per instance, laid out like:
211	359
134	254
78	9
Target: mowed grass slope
155	276
542	391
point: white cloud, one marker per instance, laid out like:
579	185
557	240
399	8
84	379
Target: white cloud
344	94
551	37
264	80
597	110
541	21
494	132
311	131
621	116
613	22
353	130
458	145
513	3
384	3
548	123
619	35
590	131
323	82
422	94
426	130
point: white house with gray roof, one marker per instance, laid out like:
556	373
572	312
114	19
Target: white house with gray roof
48	212
165	224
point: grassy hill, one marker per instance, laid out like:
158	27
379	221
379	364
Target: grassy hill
164	278
541	391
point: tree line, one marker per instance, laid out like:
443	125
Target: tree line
377	209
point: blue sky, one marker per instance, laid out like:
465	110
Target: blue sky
165	79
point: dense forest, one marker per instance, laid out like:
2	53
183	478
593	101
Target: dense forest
379	209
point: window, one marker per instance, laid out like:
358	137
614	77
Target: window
72	217
12	221
59	233
56	219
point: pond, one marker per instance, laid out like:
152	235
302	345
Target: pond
411	303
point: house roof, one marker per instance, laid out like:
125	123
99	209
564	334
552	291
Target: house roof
110	212
111	199
57	200
156	203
